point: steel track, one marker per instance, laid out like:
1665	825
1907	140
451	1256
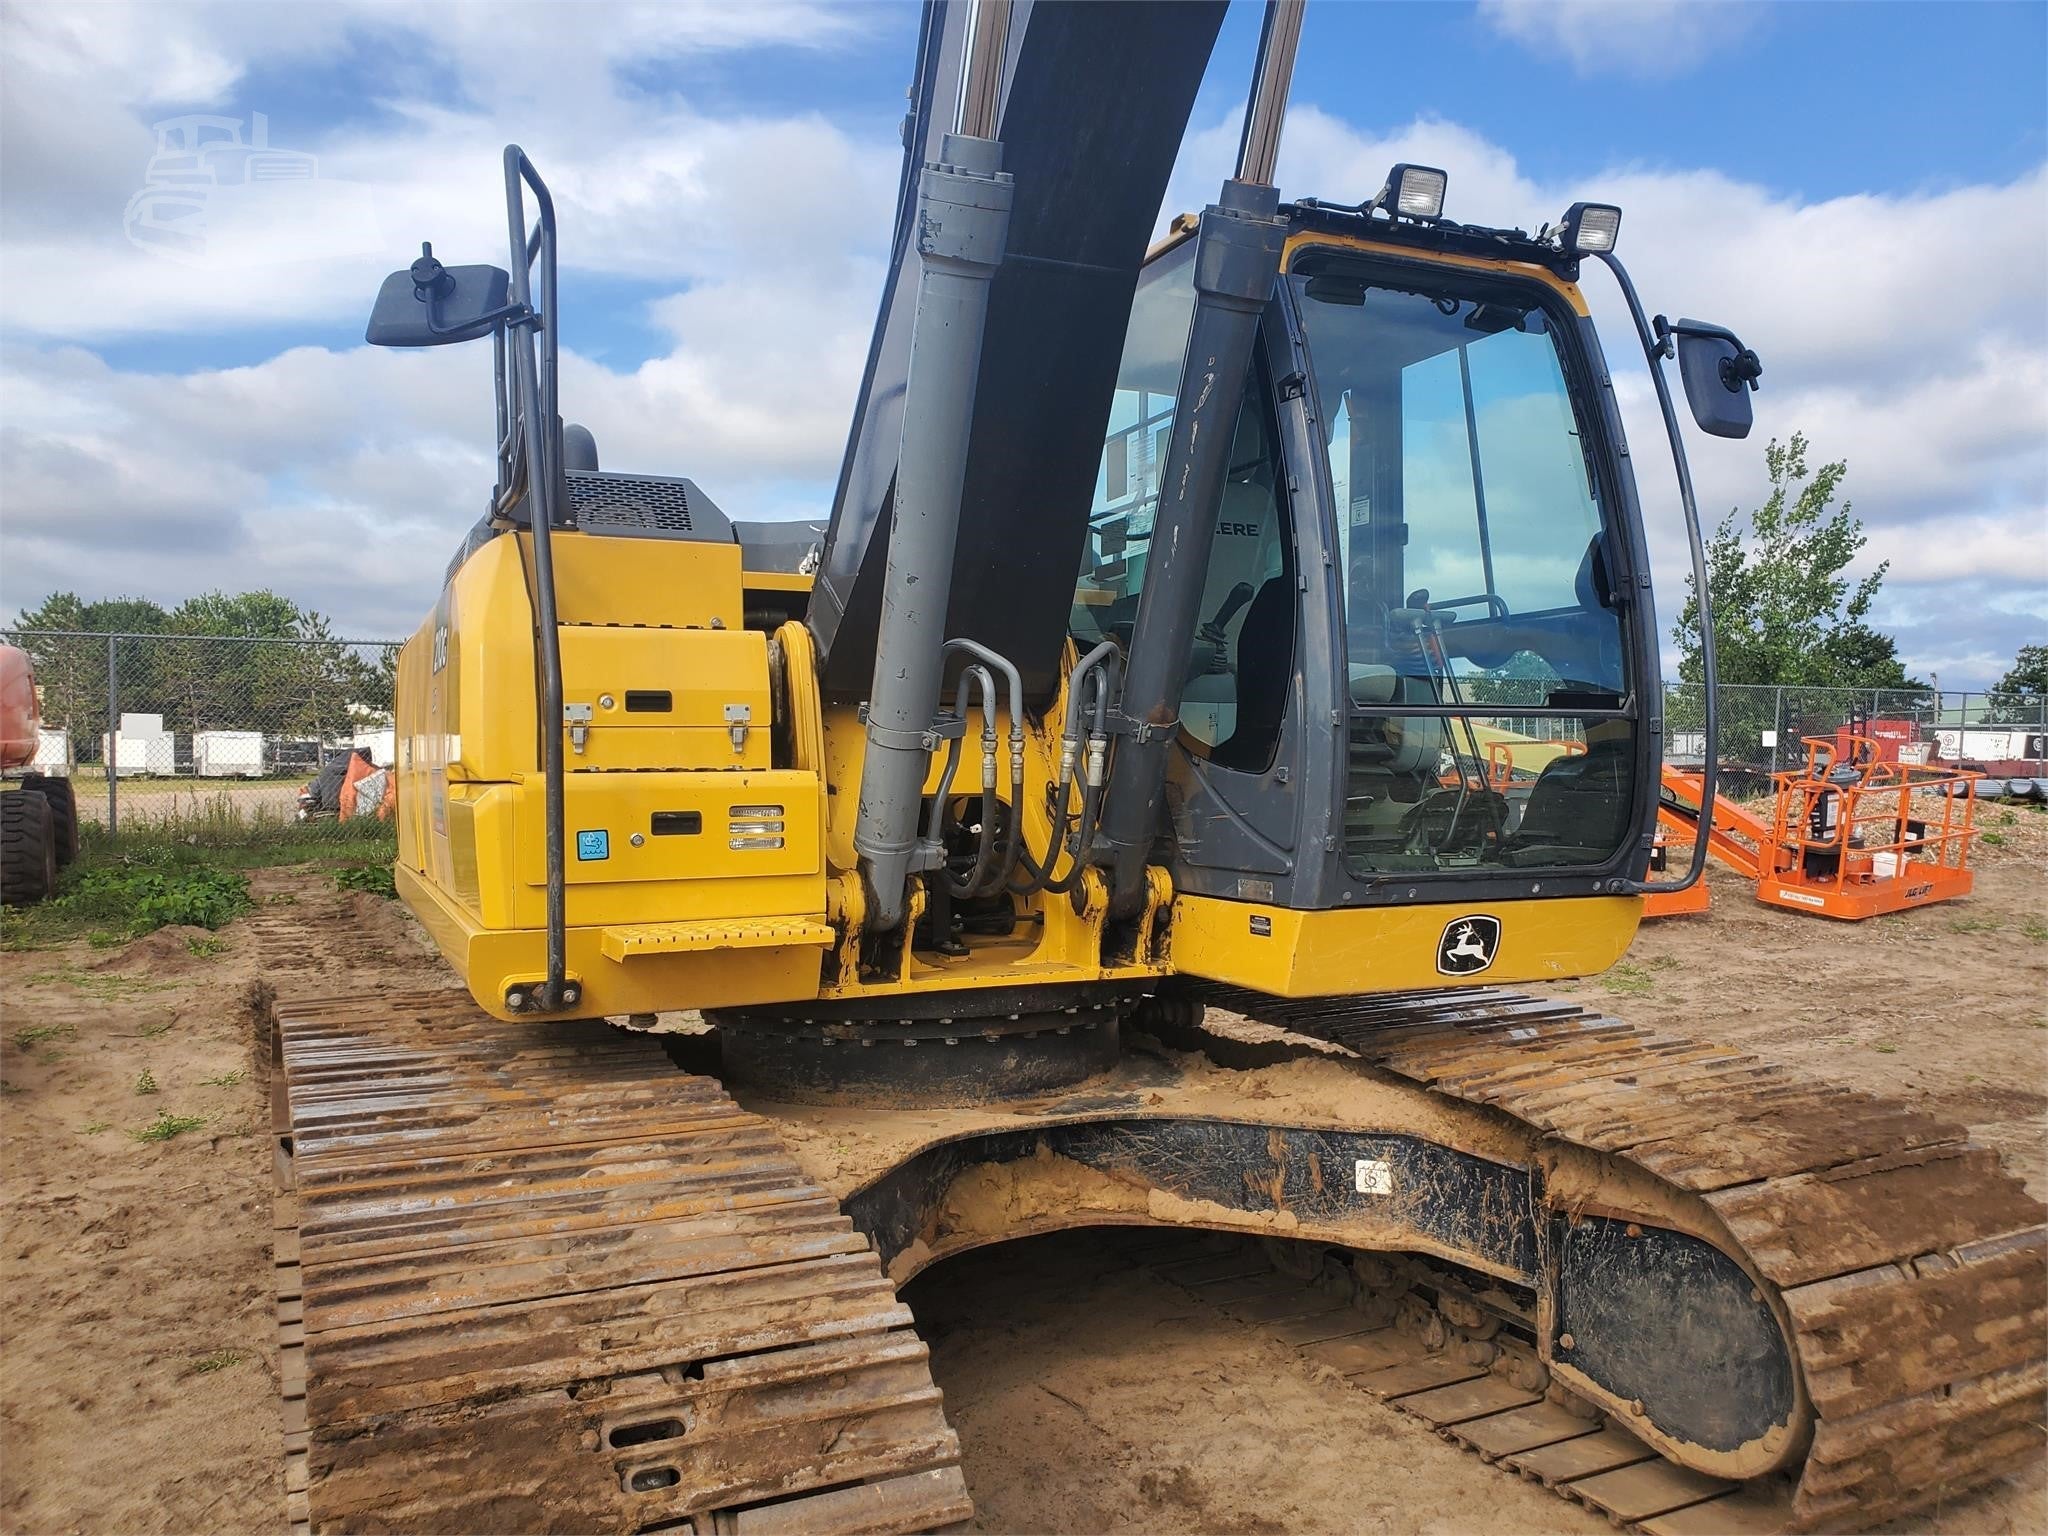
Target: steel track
1911	1263
531	1277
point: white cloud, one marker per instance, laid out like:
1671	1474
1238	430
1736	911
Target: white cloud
1652	38
346	477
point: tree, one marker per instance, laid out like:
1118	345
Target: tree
219	661
2028	675
2023	691
70	659
1786	611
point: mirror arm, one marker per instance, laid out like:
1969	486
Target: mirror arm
1659	343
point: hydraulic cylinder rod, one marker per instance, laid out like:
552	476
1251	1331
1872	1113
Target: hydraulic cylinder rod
1237	257
963	213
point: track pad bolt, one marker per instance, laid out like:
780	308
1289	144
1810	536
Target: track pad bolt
1566	1341
1636	1407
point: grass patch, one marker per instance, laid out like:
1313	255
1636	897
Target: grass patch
205	945
166	1126
1973	925
146	1083
1885	1048
1991	839
2034	928
95	1127
100	986
374	878
151	1031
219	1360
226	1079
1628	978
189	870
38	1033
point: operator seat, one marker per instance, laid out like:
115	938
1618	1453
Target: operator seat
1578	808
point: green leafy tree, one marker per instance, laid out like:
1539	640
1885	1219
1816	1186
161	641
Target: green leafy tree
70	659
212	663
2022	694
1786	610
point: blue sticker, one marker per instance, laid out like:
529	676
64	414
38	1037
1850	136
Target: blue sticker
593	845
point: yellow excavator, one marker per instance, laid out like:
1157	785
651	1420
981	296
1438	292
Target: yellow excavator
1231	653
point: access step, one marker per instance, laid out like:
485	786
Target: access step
633	940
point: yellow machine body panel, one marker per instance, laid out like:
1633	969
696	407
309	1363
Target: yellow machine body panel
1287	953
674	811
703	870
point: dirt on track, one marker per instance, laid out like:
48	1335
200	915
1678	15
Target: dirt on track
137	1346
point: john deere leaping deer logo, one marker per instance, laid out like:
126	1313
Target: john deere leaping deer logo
1468	945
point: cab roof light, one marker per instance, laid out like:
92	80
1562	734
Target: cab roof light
1590	229
1413	192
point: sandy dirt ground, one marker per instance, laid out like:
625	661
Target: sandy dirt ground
137	1358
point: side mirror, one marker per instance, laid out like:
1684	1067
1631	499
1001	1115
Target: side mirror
429	305
1719	373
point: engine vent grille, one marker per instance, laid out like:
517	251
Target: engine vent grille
632	505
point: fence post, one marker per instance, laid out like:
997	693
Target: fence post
112	756
1777	723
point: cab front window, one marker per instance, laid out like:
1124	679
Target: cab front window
1485	635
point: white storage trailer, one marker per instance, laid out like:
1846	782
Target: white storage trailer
53	752
142	746
227	754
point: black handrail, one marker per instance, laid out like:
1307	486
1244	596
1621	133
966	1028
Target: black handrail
533	388
1655	352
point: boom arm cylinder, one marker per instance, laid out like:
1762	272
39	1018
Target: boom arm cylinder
962	223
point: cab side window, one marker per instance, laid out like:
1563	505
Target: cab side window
1242	657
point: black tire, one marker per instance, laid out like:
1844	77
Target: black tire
28	850
63	800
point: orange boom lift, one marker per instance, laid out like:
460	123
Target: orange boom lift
1850	838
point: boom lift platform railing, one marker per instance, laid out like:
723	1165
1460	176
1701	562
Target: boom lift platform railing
1849	836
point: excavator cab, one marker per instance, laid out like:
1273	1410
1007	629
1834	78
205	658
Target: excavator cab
1425	669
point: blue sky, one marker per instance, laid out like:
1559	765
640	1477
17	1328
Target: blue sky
1858	188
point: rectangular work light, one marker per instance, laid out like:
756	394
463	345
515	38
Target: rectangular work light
1590	229
1413	192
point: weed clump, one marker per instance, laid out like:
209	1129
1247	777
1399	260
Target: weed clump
374	878
167	1125
1628	979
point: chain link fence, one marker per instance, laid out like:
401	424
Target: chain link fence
216	731
1763	728
231	729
